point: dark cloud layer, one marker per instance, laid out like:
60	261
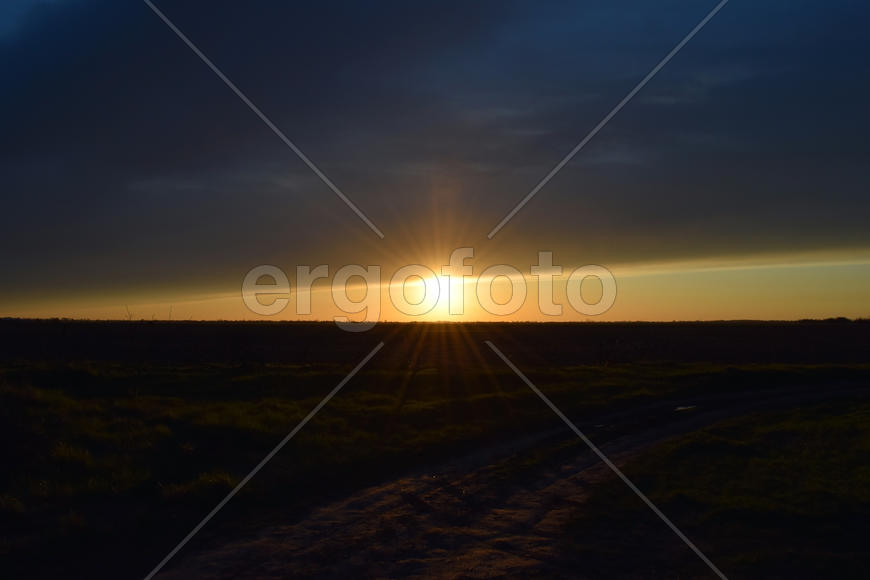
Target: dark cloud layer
125	161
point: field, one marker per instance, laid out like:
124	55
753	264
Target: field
435	460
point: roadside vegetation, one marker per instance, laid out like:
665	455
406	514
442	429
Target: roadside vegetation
110	460
768	495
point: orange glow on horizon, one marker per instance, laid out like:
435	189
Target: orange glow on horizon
809	286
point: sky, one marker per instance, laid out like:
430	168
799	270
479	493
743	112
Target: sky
137	184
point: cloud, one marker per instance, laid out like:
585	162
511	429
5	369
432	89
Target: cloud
17	14
120	146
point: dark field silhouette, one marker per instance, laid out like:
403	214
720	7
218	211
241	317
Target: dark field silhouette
435	460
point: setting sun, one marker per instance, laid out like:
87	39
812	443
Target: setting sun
434	290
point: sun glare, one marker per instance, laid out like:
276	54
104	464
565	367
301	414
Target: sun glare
423	298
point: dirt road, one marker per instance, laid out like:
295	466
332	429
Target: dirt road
478	516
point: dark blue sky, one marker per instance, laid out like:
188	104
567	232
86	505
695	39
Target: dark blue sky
125	162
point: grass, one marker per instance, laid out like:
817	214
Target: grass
110	459
779	495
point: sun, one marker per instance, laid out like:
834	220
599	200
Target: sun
425	298
441	311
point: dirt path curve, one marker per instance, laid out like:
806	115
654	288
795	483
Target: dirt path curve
466	519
